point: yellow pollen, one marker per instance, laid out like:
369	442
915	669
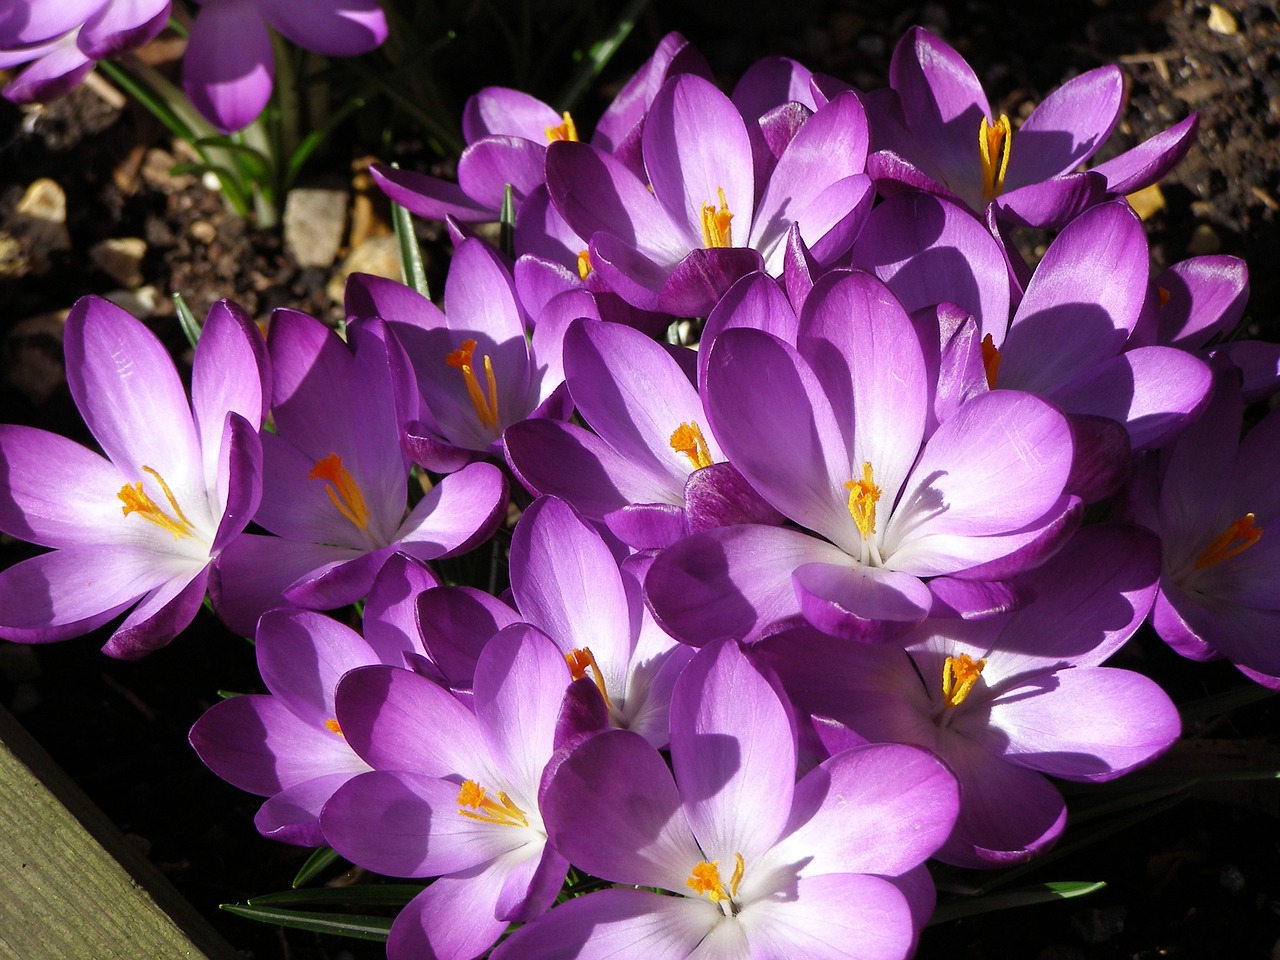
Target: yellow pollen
705	879
584	264
501	811
863	495
565	130
688	439
332	726
959	674
717	228
486	406
580	660
990	361
136	500
1239	536
344	493
994	143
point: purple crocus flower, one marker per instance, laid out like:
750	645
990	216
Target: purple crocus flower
565	582
934	130
507	133
455	794
288	746
478	370
833	433
62	40
762	865
649	472
336	490
1217	499
1005	700
140	525
229	65
707	221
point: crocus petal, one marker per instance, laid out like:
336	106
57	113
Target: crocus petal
302	655
332	28
293	814
1051	204
71	591
697	282
429	197
159	617
861	603
1088	723
238	479
756	301
1150	160
614	923
228	68
733	751
1067	127
612	808
122	25
229	374
453	918
718	495
455	624
488	167
815	920
1206	297
27	24
390	621
1153	391
501	111
881	808
458	513
54	74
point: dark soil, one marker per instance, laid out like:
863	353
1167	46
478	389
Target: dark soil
1199	880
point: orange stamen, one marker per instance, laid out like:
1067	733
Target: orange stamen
332	726
990	361
344	493
502	811
486	407
717	229
580	660
584	264
136	500
994	143
704	879
863	495
1239	536
565	130
959	674
688	439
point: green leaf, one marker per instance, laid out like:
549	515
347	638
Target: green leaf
341	924
320	860
187	320
601	53
507	223
415	274
954	909
362	894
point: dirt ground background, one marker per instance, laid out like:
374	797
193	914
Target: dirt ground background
1200	880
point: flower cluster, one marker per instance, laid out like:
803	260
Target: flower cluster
790	613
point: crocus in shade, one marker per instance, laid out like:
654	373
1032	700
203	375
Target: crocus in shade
566	582
649	471
1004	701
62	39
507	132
677	242
336	489
477	369
834	434
762	866
229	65
1216	511
934	130
287	745
456	794
137	527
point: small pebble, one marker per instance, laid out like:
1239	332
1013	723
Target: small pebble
1221	20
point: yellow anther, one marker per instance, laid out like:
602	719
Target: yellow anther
486	406
704	880
990	361
565	130
959	674
502	811
688	439
584	264
136	500
1239	536
736	878
863	495
344	493
994	143
582	659
717	229
332	726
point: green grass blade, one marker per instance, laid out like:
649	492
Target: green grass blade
340	924
1022	897
411	267
320	860
187	320
364	895
601	53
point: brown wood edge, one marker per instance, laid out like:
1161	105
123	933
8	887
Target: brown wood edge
71	885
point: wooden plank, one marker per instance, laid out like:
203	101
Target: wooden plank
71	886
